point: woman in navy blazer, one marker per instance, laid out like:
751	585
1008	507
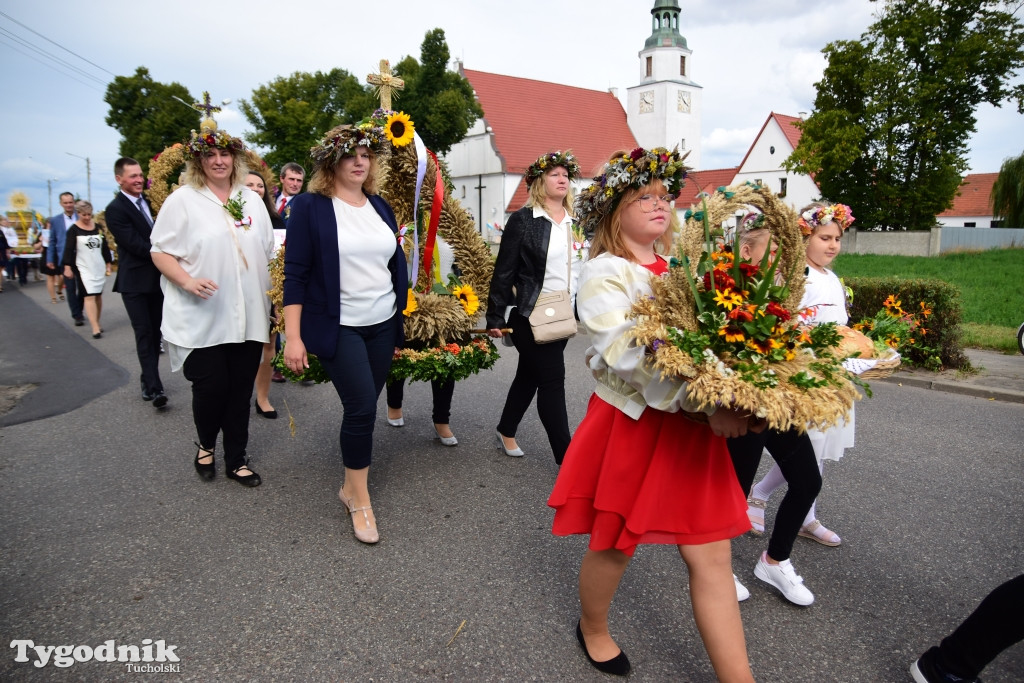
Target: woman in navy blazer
345	287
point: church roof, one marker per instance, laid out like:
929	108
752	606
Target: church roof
529	118
703	181
789	130
974	198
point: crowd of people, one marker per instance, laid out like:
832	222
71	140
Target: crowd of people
645	465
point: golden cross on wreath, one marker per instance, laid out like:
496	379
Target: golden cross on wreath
387	83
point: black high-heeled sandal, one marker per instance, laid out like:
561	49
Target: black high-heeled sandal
251	480
206	470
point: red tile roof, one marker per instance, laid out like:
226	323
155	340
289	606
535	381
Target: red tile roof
531	117
786	123
703	181
974	198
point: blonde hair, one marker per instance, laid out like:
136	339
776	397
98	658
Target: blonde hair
83	204
194	176
538	195
608	234
322	180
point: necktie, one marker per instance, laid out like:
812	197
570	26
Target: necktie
280	207
142	210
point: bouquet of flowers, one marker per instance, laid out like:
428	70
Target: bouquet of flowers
730	329
901	333
446	362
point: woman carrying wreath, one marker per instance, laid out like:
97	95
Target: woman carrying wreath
212	241
345	286
534	259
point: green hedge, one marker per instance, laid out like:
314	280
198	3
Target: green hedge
943	324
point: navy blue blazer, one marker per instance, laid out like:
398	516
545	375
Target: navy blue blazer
312	270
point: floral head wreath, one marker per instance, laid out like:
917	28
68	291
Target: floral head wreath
754	220
374	132
209	138
638	168
551	160
817	216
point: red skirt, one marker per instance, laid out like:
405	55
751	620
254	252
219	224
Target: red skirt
660	479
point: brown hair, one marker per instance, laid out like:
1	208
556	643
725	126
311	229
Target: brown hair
608	235
322	180
266	194
194	175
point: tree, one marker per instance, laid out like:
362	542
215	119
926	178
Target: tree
1008	193
290	114
894	111
144	112
440	102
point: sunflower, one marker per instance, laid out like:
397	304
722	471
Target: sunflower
399	129
410	304
467	297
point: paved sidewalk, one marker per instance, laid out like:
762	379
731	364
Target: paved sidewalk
999	377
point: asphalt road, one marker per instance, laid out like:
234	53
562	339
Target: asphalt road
109	534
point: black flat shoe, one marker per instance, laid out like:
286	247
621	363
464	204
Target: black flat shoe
269	414
617	665
251	480
98	335
159	399
207	471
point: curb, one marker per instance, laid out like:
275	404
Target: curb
1007	395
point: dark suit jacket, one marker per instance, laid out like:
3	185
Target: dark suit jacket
312	270
135	270
519	268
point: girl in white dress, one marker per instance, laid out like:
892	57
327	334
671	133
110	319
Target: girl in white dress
87	259
824	301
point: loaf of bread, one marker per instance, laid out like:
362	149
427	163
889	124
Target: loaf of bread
854	342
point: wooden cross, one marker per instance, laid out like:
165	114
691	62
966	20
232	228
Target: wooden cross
205	106
387	84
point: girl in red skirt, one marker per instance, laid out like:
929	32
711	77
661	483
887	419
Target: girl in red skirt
637	470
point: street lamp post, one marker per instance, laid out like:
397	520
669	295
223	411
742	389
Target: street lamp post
88	174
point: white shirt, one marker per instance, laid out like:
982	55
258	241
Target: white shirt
135	201
194	227
826	294
556	268
12	236
365	246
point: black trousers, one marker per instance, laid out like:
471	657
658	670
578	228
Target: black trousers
145	311
441	394
541	372
74	300
995	625
795	456
222	377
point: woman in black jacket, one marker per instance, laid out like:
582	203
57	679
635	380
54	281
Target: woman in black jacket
534	259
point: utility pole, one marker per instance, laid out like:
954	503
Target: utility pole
88	175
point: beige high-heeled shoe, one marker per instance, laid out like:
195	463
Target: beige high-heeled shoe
368	533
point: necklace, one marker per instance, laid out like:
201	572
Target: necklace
358	204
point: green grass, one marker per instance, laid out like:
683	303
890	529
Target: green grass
991	285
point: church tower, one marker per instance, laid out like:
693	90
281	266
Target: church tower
664	110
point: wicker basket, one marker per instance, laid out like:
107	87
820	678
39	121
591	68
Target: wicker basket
884	367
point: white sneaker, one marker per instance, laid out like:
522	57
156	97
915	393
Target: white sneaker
741	591
785	578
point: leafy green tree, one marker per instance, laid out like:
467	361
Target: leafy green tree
1008	193
144	112
895	110
440	102
290	114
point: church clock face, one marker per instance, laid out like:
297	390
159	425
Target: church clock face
684	102
646	101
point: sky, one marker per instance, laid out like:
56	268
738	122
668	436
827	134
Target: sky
751	57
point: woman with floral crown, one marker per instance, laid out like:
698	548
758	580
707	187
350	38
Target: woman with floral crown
638	470
345	287
212	241
534	259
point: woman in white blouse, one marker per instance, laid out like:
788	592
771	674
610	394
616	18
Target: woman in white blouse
345	286
212	242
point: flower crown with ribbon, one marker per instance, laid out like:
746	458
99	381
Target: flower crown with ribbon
374	132
636	169
545	162
209	138
817	216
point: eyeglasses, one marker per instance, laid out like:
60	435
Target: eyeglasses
649	202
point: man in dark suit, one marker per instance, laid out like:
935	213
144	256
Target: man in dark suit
59	225
130	221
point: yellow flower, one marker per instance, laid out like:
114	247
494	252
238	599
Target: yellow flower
728	299
467	297
399	129
732	334
410	304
